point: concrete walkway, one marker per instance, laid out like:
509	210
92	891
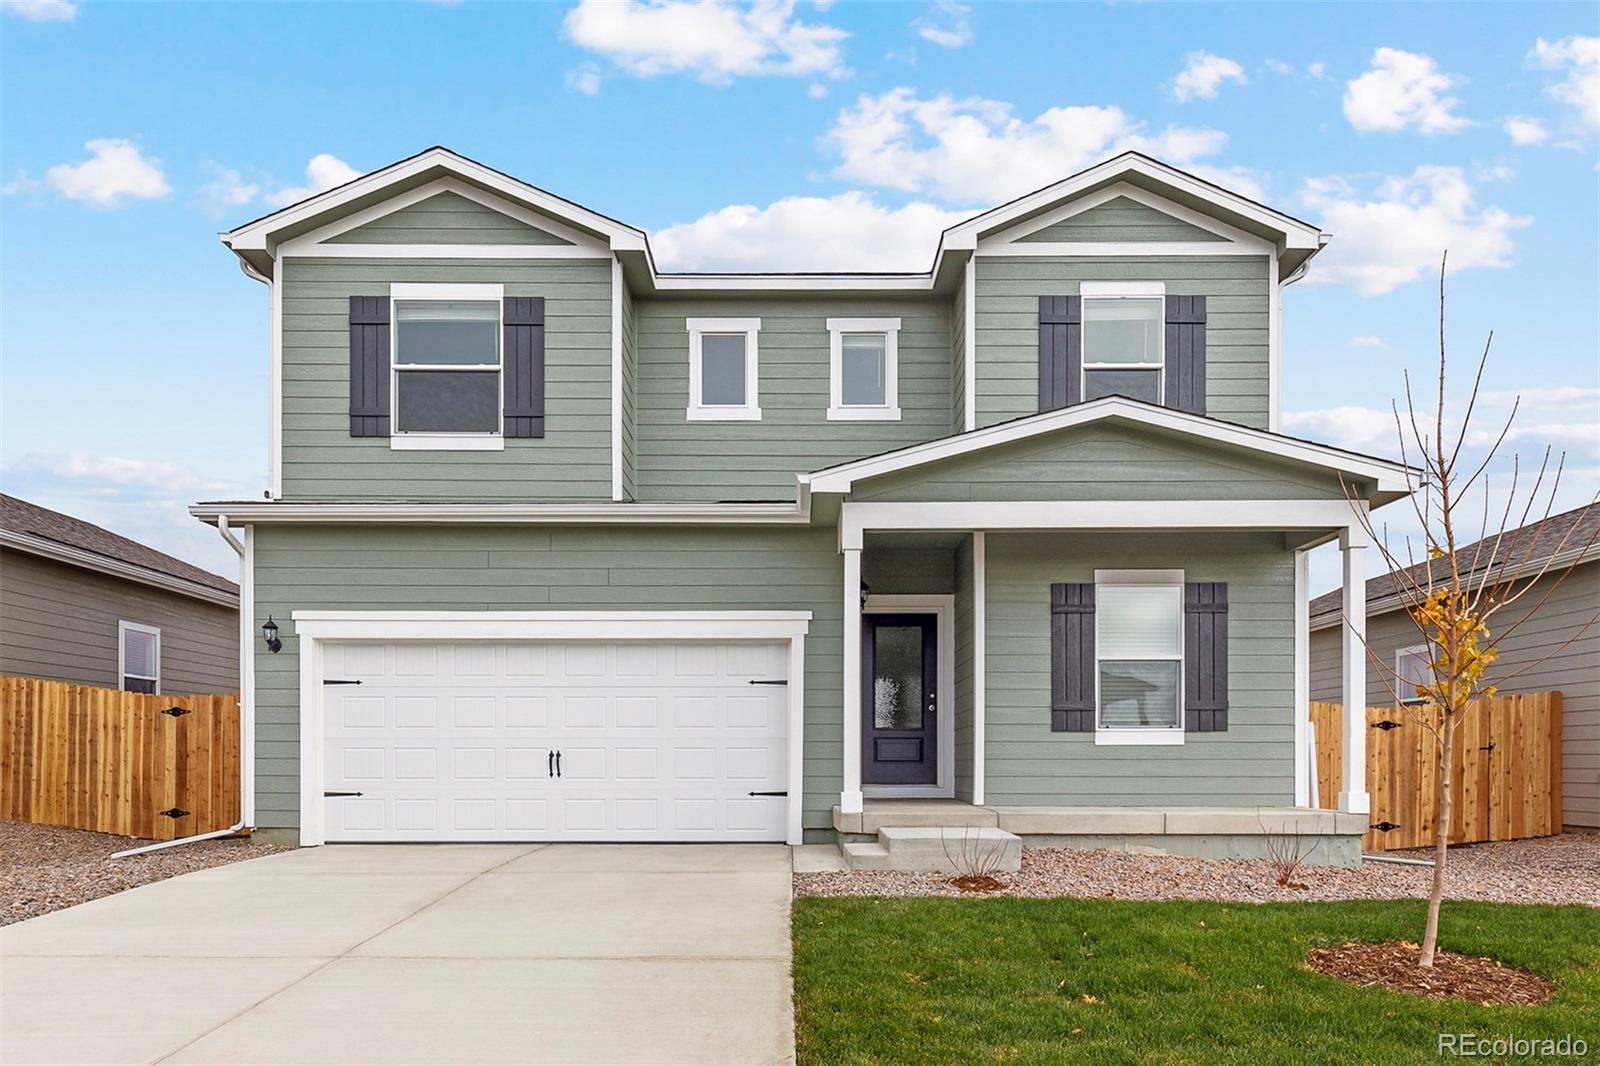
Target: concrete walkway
418	954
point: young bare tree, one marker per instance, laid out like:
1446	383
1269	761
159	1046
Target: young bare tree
1453	585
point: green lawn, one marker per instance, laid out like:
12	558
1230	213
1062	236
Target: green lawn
1102	981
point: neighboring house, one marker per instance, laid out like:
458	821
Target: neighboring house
1551	641
563	546
79	603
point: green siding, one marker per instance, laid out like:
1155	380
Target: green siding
1251	763
683	460
1102	462
447	218
321	461
902	571
530	568
958	358
1237	292
1121	219
963	702
630	398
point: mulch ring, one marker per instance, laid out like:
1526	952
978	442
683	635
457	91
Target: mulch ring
978	884
1393	965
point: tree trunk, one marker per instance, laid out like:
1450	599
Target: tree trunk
1441	843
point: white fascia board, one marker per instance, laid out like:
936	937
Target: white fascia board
1392	477
101	564
711	283
522	514
552	625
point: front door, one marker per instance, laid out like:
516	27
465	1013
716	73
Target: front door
899	703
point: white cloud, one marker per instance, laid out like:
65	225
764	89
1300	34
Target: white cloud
115	171
975	151
586	80
1397	234
1526	130
712	40
1318	70
953	27
845	232
1203	74
323	172
227	189
1359	429
1538	422
41	10
1368	342
1579	59
816	90
1403	89
1278	66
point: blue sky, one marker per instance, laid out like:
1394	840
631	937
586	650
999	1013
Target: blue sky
795	136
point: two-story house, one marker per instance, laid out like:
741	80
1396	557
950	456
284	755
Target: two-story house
565	547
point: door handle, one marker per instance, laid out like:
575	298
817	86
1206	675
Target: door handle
550	764
558	764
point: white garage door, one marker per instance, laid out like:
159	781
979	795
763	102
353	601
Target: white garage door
551	741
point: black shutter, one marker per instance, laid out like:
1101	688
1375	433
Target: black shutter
369	366
1060	351
1186	354
1072	658
1205	656
524	366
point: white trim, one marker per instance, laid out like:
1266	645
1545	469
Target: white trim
1126	289
750	410
401	440
709	283
1139	577
850	757
1113	738
1301	708
943	609
1274	347
1353	795
123	629
980	636
516	513
447	442
970	321
104	564
247	678
1105	249
889	410
314	628
1389	476
617	284
275	382
427	290
1170	580
443	251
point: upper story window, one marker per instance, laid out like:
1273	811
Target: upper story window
447	366
863	369
138	657
723	369
1139	650
1123	331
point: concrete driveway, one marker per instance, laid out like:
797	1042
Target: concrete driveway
418	954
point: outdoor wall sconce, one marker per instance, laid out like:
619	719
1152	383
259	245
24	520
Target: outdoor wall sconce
270	633
865	591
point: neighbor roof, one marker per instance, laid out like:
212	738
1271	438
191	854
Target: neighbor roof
1569	538
28	527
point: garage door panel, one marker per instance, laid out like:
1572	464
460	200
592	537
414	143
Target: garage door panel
658	741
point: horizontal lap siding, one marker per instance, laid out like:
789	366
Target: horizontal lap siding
1237	300
958	358
1118	220
630	399
494	568
1573	670
1100	463
321	461
710	461
60	622
964	676
1251	763
446	219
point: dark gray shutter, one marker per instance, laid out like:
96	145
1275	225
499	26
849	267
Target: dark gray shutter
369	366
1060	351
1205	656
524	366
1072	658
1186	354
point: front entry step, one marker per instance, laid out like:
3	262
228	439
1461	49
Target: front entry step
937	849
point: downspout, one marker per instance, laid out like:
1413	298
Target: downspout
246	706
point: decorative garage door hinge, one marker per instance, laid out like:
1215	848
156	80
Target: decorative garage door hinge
177	712
780	681
338	681
174	813
1386	725
1384	827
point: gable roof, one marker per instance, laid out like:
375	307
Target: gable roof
1390	480
256	241
40	531
1569	538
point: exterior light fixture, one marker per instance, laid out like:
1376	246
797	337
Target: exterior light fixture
270	633
865	590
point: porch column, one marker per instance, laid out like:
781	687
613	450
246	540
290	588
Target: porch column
850	793
1353	795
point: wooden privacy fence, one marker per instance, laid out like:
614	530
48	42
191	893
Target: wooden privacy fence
1505	774
159	767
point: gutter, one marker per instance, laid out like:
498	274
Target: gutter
247	760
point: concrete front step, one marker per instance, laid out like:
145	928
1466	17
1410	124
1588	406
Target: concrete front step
937	849
865	855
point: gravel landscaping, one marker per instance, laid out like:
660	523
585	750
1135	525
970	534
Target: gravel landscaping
44	868
1559	869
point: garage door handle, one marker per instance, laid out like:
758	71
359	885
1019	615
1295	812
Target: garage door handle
558	764
780	681
341	793
783	792
550	764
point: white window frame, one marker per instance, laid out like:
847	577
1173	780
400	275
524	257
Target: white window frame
1399	653
750	410
1090	291
889	410
1106	735
480	442
123	629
